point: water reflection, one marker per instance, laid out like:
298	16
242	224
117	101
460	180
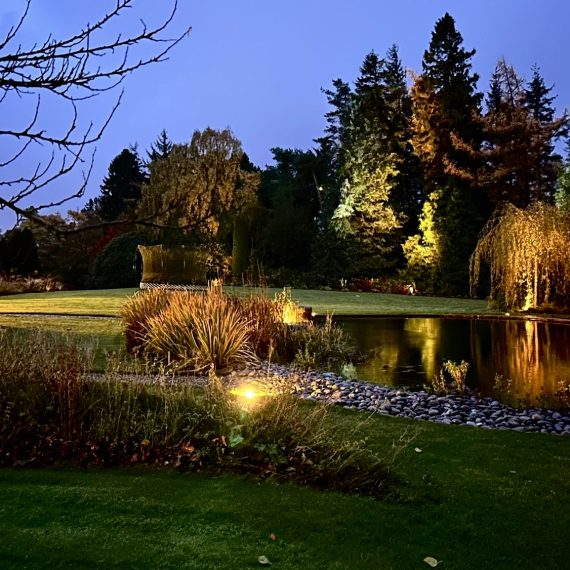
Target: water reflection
531	357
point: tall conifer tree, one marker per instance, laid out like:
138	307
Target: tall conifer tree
445	105
121	188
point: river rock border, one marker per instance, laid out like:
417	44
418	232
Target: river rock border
452	409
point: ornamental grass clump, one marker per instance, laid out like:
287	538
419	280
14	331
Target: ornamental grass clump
200	332
42	382
322	345
137	312
210	331
268	334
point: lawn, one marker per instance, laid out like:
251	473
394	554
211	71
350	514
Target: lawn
105	335
101	335
109	302
471	498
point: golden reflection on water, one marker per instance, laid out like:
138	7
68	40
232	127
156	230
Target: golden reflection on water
527	354
426	337
532	357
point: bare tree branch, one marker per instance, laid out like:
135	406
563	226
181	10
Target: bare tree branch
70	70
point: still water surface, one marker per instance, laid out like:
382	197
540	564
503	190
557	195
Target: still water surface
532	357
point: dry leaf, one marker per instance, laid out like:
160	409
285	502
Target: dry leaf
430	561
273	536
264	561
418	450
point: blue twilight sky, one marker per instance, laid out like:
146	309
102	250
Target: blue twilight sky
258	66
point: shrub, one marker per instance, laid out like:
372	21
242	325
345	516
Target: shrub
115	266
318	346
16	284
451	378
200	332
137	312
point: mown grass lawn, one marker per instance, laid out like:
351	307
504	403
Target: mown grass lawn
99	335
109	302
105	335
472	498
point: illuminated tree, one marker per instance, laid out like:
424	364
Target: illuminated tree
445	106
527	252
563	185
422	250
195	183
519	164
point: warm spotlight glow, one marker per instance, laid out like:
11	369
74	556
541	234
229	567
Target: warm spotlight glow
249	396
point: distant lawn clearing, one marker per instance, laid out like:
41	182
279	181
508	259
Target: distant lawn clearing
105	334
109	302
100	335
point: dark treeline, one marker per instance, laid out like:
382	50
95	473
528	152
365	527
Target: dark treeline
399	186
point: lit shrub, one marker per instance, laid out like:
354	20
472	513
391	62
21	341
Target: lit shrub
267	333
137	312
451	378
200	332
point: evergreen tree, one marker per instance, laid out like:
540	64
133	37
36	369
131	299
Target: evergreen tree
366	222
243	216
290	196
160	148
121	188
339	121
446	105
518	160
537	98
539	103
407	194
365	218
563	182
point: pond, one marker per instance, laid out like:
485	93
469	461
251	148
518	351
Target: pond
530	358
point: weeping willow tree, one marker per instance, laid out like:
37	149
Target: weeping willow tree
527	253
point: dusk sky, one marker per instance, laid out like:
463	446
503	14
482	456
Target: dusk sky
258	66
